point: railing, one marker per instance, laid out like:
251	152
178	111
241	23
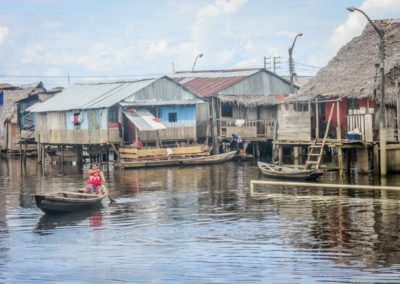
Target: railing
247	128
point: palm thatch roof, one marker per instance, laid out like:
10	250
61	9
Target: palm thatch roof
250	101
354	71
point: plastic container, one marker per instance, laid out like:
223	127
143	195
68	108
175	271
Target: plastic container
353	136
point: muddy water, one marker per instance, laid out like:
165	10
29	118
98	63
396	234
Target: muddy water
197	225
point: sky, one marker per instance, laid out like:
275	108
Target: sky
61	42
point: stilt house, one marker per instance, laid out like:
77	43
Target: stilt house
153	110
9	96
351	80
241	101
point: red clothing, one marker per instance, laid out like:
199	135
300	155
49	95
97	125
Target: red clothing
95	178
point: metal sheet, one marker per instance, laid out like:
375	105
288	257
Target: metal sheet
144	120
91	96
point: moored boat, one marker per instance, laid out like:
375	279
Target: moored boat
281	172
64	202
204	160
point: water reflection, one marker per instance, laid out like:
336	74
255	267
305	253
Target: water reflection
49	222
184	222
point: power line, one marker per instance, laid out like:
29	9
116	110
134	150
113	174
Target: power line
78	76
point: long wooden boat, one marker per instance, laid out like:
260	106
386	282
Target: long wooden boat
281	172
206	160
209	160
64	202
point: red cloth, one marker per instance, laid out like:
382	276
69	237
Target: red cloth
95	179
138	143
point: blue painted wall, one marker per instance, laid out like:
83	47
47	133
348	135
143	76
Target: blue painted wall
186	115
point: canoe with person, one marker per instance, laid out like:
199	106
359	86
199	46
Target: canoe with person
70	201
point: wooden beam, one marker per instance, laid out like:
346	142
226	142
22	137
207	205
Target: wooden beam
320	185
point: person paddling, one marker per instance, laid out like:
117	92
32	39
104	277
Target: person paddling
95	180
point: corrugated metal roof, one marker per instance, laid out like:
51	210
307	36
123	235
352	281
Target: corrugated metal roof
91	96
212	82
159	103
217	73
144	120
207	86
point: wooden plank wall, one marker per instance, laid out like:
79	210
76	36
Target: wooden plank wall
293	125
51	128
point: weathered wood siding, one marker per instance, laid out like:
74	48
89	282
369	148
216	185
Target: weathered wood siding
58	128
202	120
293	125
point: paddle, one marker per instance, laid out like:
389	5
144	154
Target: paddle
108	194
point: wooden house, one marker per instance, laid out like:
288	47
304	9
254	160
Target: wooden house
352	79
241	101
9	96
115	113
349	86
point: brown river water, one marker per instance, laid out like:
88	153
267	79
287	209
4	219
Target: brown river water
197	225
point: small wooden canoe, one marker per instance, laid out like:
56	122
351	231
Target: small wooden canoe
209	160
64	202
274	171
206	160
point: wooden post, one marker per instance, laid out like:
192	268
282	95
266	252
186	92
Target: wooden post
43	157
214	133
396	82
382	144
317	119
362	161
280	154
376	159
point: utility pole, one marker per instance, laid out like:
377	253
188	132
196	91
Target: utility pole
291	67
276	62
267	61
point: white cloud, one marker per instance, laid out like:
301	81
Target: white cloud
355	23
4	31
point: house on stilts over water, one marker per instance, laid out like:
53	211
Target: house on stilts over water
240	101
340	107
16	126
107	116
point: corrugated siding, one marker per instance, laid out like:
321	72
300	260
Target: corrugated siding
261	83
162	90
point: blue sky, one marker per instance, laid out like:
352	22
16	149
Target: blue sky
53	38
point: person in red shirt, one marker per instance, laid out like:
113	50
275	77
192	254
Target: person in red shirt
95	180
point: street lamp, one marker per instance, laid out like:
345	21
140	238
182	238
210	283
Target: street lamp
291	67
382	117
194	64
381	33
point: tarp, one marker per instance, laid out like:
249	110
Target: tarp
144	120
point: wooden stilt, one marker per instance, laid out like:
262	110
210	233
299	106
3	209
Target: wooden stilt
382	145
280	155
376	159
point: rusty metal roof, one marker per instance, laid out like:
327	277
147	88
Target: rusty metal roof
209	82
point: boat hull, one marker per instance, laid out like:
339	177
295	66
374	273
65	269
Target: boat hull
64	202
208	160
279	172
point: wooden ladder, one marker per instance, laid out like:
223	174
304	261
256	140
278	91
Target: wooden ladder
316	149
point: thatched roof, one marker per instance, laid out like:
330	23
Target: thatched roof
353	72
250	101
